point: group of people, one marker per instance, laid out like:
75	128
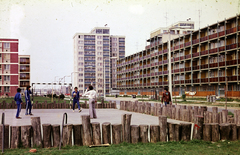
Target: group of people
18	99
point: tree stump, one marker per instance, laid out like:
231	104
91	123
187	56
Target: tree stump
238	118
77	134
169	111
126	121
164	111
87	137
215	118
214	110
121	105
207	132
173	113
171	131
198	127
224	116
47	129
177	132
163	128
177	117
116	133
134	134
185	115
215	132
159	111
233	132
67	134
186	131
238	132
26	134
15	136
37	134
56	135
195	109
143	133
203	109
225	131
96	133
106	133
154	133
205	117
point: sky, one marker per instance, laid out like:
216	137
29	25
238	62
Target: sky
45	28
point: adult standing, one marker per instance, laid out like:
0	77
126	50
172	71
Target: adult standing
166	97
76	97
92	96
18	100
27	93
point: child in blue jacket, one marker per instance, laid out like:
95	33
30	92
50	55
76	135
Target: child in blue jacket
18	100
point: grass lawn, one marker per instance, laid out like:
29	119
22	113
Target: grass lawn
194	147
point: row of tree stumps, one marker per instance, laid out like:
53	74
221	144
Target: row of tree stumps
208	125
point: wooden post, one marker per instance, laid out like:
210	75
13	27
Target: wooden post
207	132
121	105
67	134
47	129
126	121
198	127
154	133
173	113
163	128
203	109
37	134
15	136
56	135
215	132
143	133
238	132
186	131
215	117
96	133
185	115
233	132
106	133
214	109
177	117
224	116
171	131
26	134
164	111
77	134
134	134
177	133
116	133
87	137
159	112
225	131
195	108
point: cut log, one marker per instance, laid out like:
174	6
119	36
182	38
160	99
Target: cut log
143	133
134	134
56	135
164	111
177	117
203	109
26	134
15	136
214	110
215	117
154	133
96	132
198	127
47	130
106	133
77	134
163	128
177	133
87	137
67	134
225	131
116	133
186	131
233	132
37	134
173	113
224	116
171	131
126	121
207	132
215	132
238	132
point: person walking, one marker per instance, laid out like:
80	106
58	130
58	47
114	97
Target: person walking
166	97
76	98
92	96
27	93
18	100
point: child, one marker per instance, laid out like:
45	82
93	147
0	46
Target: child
18	100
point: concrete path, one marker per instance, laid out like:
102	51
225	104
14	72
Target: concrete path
54	116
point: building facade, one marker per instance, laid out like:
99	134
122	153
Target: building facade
95	58
8	67
24	71
205	62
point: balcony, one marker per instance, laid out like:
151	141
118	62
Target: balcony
221	64
160	52
160	73
195	68
187	44
221	33
195	54
24	70
196	80
195	41
232	46
181	46
212	65
24	62
188	81
176	59
165	72
221	79
165	83
231	30
211	51
176	70
213	79
232	62
204	52
176	82
152	74
165	51
181	69
182	57
148	74
213	36
182	81
176	47
188	56
221	48
165	61
160	62
203	38
204	80
204	66
188	69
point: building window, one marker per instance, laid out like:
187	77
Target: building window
114	39
6	78
80	69
99	37
99	53
80	80
80	53
114	49
80	42
99	48
80	86
80	58
114	44
6	67
6	45
99	42
80	64
80	75
80	47
7	89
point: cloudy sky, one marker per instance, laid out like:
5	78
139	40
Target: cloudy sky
45	28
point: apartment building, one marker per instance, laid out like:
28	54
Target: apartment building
24	71
95	58
8	67
205	61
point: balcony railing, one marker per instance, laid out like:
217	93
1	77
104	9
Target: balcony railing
231	30
211	51
195	41
212	65
232	78
182	57
165	51
204	52
195	67
203	38
176	59
221	33
213	36
221	79
232	62
213	79
181	69
160	52
188	56
221	64
187	43
187	81
176	70
165	61
204	66
165	72
188	69
196	80
195	54
204	80
232	46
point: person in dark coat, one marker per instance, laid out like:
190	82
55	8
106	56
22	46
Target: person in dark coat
18	100
27	93
166	97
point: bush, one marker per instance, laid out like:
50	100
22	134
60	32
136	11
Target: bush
184	97
61	96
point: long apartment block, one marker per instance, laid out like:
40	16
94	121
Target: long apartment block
206	61
24	71
95	58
